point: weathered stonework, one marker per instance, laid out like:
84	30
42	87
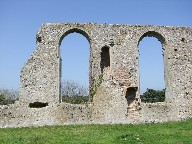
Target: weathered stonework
114	67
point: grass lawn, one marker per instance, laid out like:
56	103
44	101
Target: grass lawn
165	133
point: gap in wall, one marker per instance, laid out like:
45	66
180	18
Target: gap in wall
75	52
151	64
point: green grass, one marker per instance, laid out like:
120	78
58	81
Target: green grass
165	133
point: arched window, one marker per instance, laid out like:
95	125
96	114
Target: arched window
105	58
151	62
74	54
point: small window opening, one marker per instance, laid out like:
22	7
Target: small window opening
131	95
105	58
38	105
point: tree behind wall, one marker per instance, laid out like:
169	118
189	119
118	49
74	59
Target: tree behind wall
74	93
8	96
152	96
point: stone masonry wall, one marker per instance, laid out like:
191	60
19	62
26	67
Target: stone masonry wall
114	83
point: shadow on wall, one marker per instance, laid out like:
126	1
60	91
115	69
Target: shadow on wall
131	94
105	58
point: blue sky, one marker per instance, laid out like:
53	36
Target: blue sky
21	19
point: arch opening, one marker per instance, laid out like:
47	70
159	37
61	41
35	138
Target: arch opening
151	63
158	36
74	30
74	67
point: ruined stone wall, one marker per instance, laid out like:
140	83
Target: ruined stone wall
114	83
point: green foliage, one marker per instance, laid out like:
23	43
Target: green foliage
165	133
94	85
152	96
74	93
8	96
2	99
75	99
72	88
